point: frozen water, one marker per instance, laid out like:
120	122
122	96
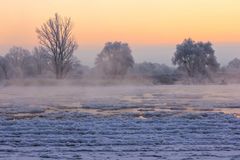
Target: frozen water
124	122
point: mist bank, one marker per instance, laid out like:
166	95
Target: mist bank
223	77
21	67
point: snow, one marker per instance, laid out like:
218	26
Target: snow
124	122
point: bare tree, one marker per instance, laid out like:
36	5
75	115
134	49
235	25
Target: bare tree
19	60
41	58
4	65
56	36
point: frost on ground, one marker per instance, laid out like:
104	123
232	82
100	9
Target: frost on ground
154	122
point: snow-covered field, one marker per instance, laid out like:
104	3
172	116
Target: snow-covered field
125	122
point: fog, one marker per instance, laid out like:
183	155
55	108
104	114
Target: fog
152	53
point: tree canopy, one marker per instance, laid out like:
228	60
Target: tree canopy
195	58
115	59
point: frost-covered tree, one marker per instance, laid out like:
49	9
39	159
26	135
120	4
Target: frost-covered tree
42	59
151	69
19	61
114	60
158	73
4	66
196	58
56	37
29	67
234	64
77	69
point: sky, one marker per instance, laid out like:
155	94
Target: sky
151	27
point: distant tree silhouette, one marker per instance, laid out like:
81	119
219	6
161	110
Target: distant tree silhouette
234	64
114	60
41	58
4	65
19	62
158	73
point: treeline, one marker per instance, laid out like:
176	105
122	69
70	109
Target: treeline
54	58
21	63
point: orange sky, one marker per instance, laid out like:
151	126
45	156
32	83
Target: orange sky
147	22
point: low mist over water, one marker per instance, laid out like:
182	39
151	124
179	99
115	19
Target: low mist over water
121	122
